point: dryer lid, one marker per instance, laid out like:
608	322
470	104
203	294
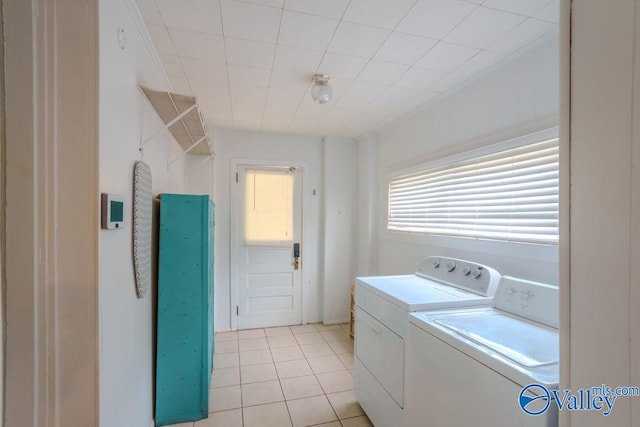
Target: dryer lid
414	293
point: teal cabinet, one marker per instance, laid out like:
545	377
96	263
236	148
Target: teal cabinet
184	354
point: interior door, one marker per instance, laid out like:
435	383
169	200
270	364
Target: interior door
268	260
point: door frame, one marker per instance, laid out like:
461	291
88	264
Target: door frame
233	233
52	213
564	252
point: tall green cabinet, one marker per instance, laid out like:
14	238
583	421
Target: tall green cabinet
184	355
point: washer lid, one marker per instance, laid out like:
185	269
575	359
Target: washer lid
530	345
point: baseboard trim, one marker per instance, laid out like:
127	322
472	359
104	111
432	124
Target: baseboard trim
336	322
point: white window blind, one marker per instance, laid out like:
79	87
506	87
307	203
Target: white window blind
507	195
269	208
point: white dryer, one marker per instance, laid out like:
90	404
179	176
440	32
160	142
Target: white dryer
383	305
469	366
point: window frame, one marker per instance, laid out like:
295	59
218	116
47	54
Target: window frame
465	154
278	171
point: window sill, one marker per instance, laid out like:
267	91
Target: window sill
527	251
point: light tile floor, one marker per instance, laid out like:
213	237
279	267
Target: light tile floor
293	376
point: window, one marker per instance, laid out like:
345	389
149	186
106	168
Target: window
510	194
269	208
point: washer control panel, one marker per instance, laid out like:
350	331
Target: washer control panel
532	300
462	274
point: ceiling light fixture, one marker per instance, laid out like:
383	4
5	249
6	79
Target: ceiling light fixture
321	91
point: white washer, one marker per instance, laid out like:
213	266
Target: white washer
468	366
383	305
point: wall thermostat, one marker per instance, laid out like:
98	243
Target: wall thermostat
112	212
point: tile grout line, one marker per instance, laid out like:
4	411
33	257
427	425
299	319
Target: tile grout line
279	380
278	377
323	389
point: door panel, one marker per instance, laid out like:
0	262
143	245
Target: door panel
265	257
270	280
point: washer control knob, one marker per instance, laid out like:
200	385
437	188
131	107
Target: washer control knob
436	263
451	266
476	274
509	291
466	271
526	296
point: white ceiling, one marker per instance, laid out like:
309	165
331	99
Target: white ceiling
250	62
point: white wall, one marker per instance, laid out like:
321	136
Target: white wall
520	97
198	175
262	146
126	322
340	209
605	204
329	177
367	192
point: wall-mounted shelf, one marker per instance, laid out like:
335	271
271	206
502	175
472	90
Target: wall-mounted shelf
181	116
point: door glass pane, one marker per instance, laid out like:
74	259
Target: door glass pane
269	208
